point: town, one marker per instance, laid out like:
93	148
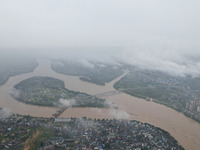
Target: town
19	132
179	93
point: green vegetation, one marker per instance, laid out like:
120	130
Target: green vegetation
24	132
9	67
92	72
40	134
47	91
180	93
43	91
15	134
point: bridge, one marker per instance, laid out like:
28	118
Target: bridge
118	91
109	93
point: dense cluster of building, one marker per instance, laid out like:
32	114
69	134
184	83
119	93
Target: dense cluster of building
14	131
87	134
180	96
83	134
180	93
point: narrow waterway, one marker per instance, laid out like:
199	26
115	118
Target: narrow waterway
184	129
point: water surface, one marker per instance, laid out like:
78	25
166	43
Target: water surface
184	129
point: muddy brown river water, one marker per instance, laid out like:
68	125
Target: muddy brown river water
185	130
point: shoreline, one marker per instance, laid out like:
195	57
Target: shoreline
162	103
185	130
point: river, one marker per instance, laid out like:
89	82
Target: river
185	130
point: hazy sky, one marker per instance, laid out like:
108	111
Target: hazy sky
154	34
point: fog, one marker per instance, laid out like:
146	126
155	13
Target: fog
66	102
157	35
5	113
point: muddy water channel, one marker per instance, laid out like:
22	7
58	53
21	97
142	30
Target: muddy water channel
184	129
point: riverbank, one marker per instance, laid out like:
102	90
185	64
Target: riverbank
184	129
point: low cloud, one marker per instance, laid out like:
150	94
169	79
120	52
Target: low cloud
172	58
177	62
86	63
66	102
87	123
15	93
4	113
113	113
119	114
110	104
98	110
141	33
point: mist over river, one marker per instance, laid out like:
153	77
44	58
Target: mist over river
184	129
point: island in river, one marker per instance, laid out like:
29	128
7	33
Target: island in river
48	91
178	92
185	130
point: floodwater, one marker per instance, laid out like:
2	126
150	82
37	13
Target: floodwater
185	130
